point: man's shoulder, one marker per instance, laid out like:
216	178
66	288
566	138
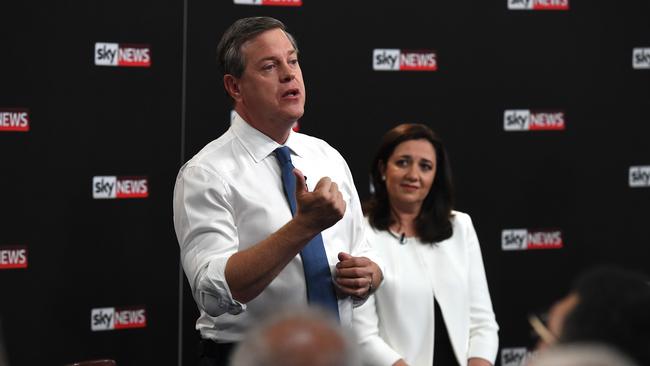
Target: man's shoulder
215	154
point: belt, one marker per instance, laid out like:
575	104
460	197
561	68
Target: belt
210	348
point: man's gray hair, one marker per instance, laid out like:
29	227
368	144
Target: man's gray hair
298	337
230	58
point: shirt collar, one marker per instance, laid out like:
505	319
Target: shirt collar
259	145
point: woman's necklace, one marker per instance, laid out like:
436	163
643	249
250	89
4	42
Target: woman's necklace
399	233
400	237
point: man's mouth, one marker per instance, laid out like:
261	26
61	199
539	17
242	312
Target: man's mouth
291	93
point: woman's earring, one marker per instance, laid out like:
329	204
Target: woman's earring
383	177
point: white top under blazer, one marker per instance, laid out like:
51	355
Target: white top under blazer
398	320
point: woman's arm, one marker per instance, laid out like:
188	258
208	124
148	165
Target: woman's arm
374	351
483	328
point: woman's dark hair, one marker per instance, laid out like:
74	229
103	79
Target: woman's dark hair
433	222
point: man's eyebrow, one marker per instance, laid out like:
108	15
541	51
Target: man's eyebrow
268	58
274	58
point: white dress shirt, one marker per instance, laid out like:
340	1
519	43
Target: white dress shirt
229	197
398	320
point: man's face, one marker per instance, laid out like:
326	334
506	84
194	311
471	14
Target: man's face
271	87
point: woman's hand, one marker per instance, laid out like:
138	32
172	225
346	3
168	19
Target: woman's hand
400	362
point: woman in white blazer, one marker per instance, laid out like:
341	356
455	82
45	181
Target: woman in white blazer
433	307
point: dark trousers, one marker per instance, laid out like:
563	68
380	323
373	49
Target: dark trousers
215	354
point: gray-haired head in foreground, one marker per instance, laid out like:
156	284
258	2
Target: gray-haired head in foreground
230	58
585	354
298	337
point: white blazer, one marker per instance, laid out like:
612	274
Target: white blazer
398	320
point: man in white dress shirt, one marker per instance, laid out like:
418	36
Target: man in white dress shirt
240	244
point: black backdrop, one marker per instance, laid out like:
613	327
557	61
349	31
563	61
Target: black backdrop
89	121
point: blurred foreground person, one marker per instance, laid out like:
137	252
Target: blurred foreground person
434	307
580	355
298	337
610	306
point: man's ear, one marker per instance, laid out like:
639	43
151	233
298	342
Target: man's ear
231	84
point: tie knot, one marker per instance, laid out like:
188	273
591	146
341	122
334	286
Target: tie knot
283	155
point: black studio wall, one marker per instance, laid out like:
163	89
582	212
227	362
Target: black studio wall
544	113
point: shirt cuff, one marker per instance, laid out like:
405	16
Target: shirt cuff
214	295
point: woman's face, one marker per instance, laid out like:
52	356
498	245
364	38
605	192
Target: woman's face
409	172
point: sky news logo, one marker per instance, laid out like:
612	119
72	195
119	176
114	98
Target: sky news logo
112	187
524	239
269	2
13	257
122	55
402	60
517	356
639	176
641	58
538	4
112	319
527	120
14	119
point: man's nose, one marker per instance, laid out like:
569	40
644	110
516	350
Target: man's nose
288	77
287	74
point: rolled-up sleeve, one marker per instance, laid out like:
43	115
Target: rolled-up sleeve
364	249
207	235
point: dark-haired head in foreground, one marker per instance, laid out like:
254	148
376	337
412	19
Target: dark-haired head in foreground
609	306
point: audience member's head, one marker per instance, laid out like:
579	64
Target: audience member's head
297	337
580	355
609	306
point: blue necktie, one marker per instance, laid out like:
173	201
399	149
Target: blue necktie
320	289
